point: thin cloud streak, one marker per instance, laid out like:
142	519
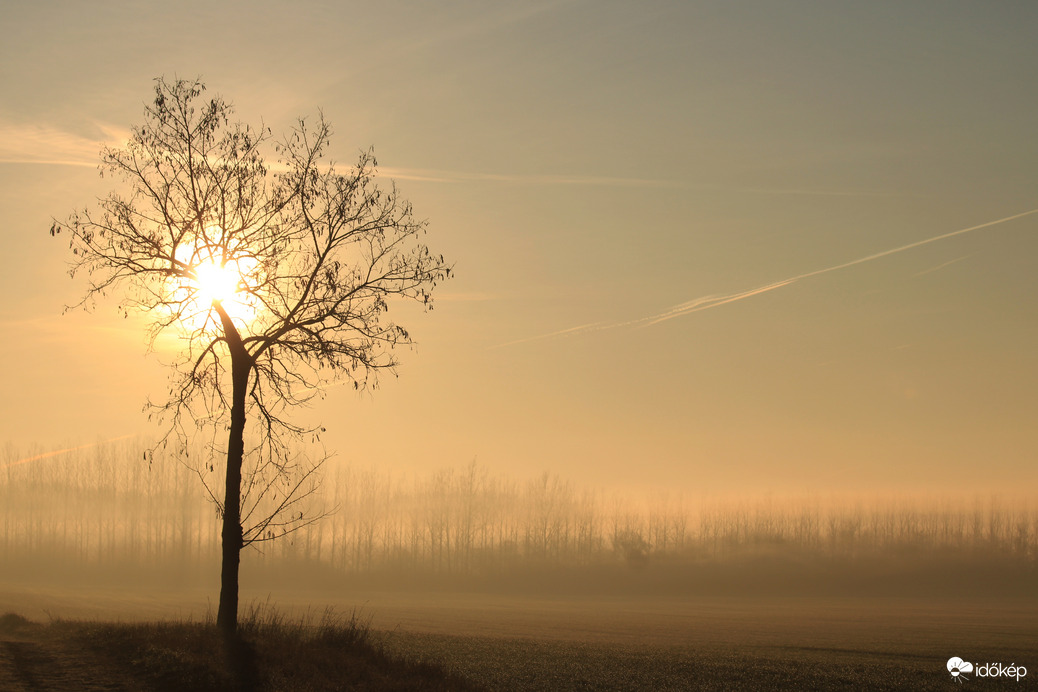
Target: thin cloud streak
942	266
57	452
47	145
677	311
572	331
449	177
465	297
713	301
707	303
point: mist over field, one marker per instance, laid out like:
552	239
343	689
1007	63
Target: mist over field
541	582
108	516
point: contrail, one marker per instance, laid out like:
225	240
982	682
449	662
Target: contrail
679	310
572	331
56	452
713	301
942	265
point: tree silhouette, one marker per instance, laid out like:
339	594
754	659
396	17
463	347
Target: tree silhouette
276	277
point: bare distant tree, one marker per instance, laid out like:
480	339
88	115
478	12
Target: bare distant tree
276	276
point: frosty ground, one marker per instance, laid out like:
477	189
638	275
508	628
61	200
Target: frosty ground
530	642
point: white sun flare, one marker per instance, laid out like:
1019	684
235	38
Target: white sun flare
216	282
207	283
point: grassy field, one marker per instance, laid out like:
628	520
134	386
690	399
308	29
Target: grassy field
273	654
725	644
473	641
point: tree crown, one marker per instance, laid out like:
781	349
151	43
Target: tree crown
286	268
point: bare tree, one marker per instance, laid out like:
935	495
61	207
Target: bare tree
276	277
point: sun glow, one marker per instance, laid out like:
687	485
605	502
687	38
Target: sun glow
208	281
226	284
215	282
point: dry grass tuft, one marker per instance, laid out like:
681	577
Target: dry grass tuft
316	653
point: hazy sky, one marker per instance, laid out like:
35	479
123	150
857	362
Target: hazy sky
592	167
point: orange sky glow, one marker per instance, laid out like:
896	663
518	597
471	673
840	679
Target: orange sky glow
703	247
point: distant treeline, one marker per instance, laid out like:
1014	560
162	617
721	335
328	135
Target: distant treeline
105	509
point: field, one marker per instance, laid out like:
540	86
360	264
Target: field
538	643
748	644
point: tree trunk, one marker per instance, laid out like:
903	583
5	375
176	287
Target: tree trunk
231	535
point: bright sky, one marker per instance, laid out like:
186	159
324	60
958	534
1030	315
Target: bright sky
690	237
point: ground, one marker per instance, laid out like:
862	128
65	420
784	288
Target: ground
598	643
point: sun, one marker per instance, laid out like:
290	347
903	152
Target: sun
225	284
216	282
210	280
